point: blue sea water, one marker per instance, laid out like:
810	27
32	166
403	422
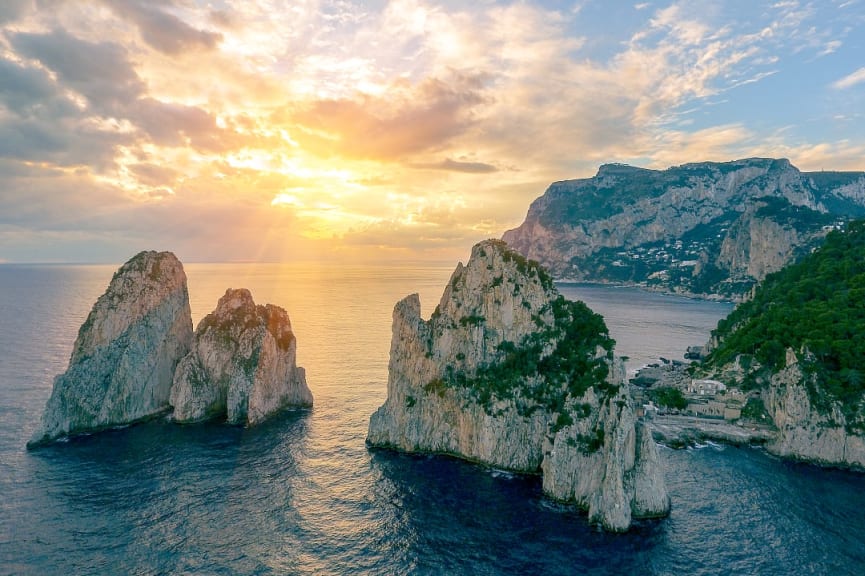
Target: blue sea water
302	494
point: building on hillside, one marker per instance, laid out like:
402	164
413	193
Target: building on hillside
706	387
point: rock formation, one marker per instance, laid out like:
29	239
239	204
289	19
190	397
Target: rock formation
821	436
509	373
706	228
124	358
797	342
242	366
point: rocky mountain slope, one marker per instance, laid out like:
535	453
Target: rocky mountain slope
706	228
509	373
242	367
800	341
123	361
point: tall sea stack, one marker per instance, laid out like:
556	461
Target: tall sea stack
509	373
242	367
123	361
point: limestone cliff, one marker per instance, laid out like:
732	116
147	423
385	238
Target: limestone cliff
508	373
703	228
242	366
798	342
124	358
821	435
757	245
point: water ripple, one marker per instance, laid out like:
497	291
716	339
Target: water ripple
301	494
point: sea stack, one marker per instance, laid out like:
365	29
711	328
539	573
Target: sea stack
242	367
123	361
509	373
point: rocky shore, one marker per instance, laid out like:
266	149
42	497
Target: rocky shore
678	431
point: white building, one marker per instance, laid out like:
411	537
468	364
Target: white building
706	387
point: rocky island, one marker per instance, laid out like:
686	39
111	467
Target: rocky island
242	367
123	360
508	373
709	229
136	357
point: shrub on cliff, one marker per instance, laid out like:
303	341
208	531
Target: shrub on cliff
815	307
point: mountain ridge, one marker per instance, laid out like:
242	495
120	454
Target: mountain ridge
711	229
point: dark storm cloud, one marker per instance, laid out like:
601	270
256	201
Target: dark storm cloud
162	30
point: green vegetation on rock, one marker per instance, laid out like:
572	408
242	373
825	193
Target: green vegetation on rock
704	228
816	308
525	266
536	377
668	397
755	411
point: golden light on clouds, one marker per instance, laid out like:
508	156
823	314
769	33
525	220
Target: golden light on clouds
279	130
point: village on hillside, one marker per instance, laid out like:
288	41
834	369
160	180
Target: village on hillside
667	388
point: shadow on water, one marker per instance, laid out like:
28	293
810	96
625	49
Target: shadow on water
739	510
446	507
168	498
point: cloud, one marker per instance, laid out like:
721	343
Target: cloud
411	125
170	124
66	143
11	10
403	121
104	222
28	91
164	31
99	71
717	143
457	166
850	80
154	174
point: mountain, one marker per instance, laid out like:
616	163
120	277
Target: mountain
800	341
710	229
509	373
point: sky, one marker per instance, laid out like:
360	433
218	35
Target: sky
269	130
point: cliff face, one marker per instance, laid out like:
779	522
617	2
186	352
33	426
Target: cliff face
706	228
756	245
806	432
124	358
798	340
508	373
242	366
136	356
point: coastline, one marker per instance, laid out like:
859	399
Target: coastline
651	289
676	431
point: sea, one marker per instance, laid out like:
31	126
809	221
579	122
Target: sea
302	493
